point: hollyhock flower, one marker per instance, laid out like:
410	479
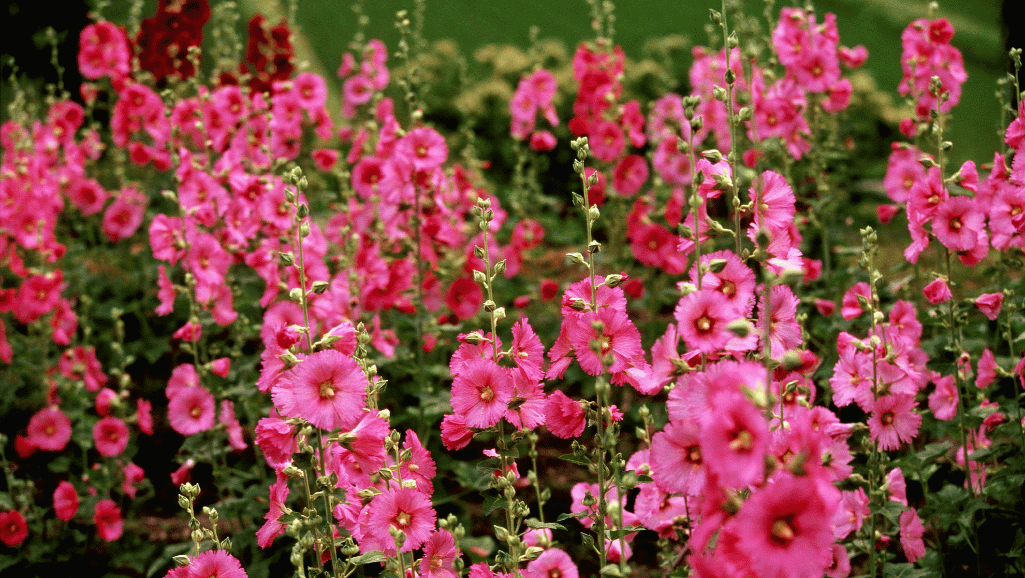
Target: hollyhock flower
840	566
166	293
851	306
774	202
851	513
937	291
957	223
481	393
987	370
464	297
88	195
607	141
629	175
133	476
65	501
167	238
943	401
733	279
405	509
604	340
236	435
424	147
989	304
183	473
784	529
366	442
49	429
886	213
896	487
327	389
552	563
454	433
784	331
107	517
124	216
110	436
702	318
216	564
734	439
420	467
144	416
191	410
272	527
276	439
564	417
439	554
678	468
529	402
893	422
13	528
911	532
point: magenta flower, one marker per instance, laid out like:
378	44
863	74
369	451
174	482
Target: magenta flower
734	439
65	501
272	528
987	370
107	517
564	416
420	467
481	393
937	291
893	422
191	410
454	433
604	340
551	563
49	430
784	528
439	554
702	318
424	147
13	528
943	401
405	509
957	223
276	438
327	389
851	307
110	436
911	532
216	564
989	304
678	468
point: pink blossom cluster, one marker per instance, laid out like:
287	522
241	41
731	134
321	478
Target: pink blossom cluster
534	94
927	54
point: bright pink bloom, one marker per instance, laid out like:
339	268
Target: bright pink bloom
851	513
420	467
439	554
851	306
896	486
957	223
65	501
49	429
987	370
327	389
943	401
937	291
216	564
124	216
454	433
552	563
784	529
110	436
893	421
784	331
144	416
272	528
911	532
107	517
678	468
424	147
702	318
13	528
564	416
606	340
840	567
408	511
774	203
481	393
276	439
191	410
734	439
464	297
989	304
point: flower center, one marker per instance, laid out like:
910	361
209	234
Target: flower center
694	454
704	324
50	429
886	418
196	411
741	441
487	394
955	224
909	182
782	532
554	573
327	390
728	288
421	151
402	520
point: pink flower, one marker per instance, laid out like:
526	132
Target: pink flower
420	468
327	389
124	216
65	501
542	140
110	436
276	439
774	203
107	517
840	566
216	564
734	439
784	331
606	340
481	393
911	532
405	509
424	147
191	410
439	554
552	563
49	430
989	304
678	468
896	486
144	416
851	513
937	292
464	297
702	318
563	416
957	223
784	529
13	528
943	401
893	422
607	141
851	306
454	433
272	528
987	370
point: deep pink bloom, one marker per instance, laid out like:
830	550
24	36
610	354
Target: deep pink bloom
552	563
481	393
851	306
986	371
734	439
943	401
564	416
851	513
606	340
65	501
216	564
273	528
893	421
49	430
107	517
896	486
678	468
191	410
911	532
439	554
144	416
454	433
702	318
840	567
957	223
630	174
124	216
13	528
276	439
784	331
327	389
405	509
420	467
110	436
464	297
774	202
784	529
937	291
424	147
542	140
989	304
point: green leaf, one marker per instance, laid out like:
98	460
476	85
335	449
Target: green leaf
492	503
372	557
568	515
611	570
535	524
575	459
